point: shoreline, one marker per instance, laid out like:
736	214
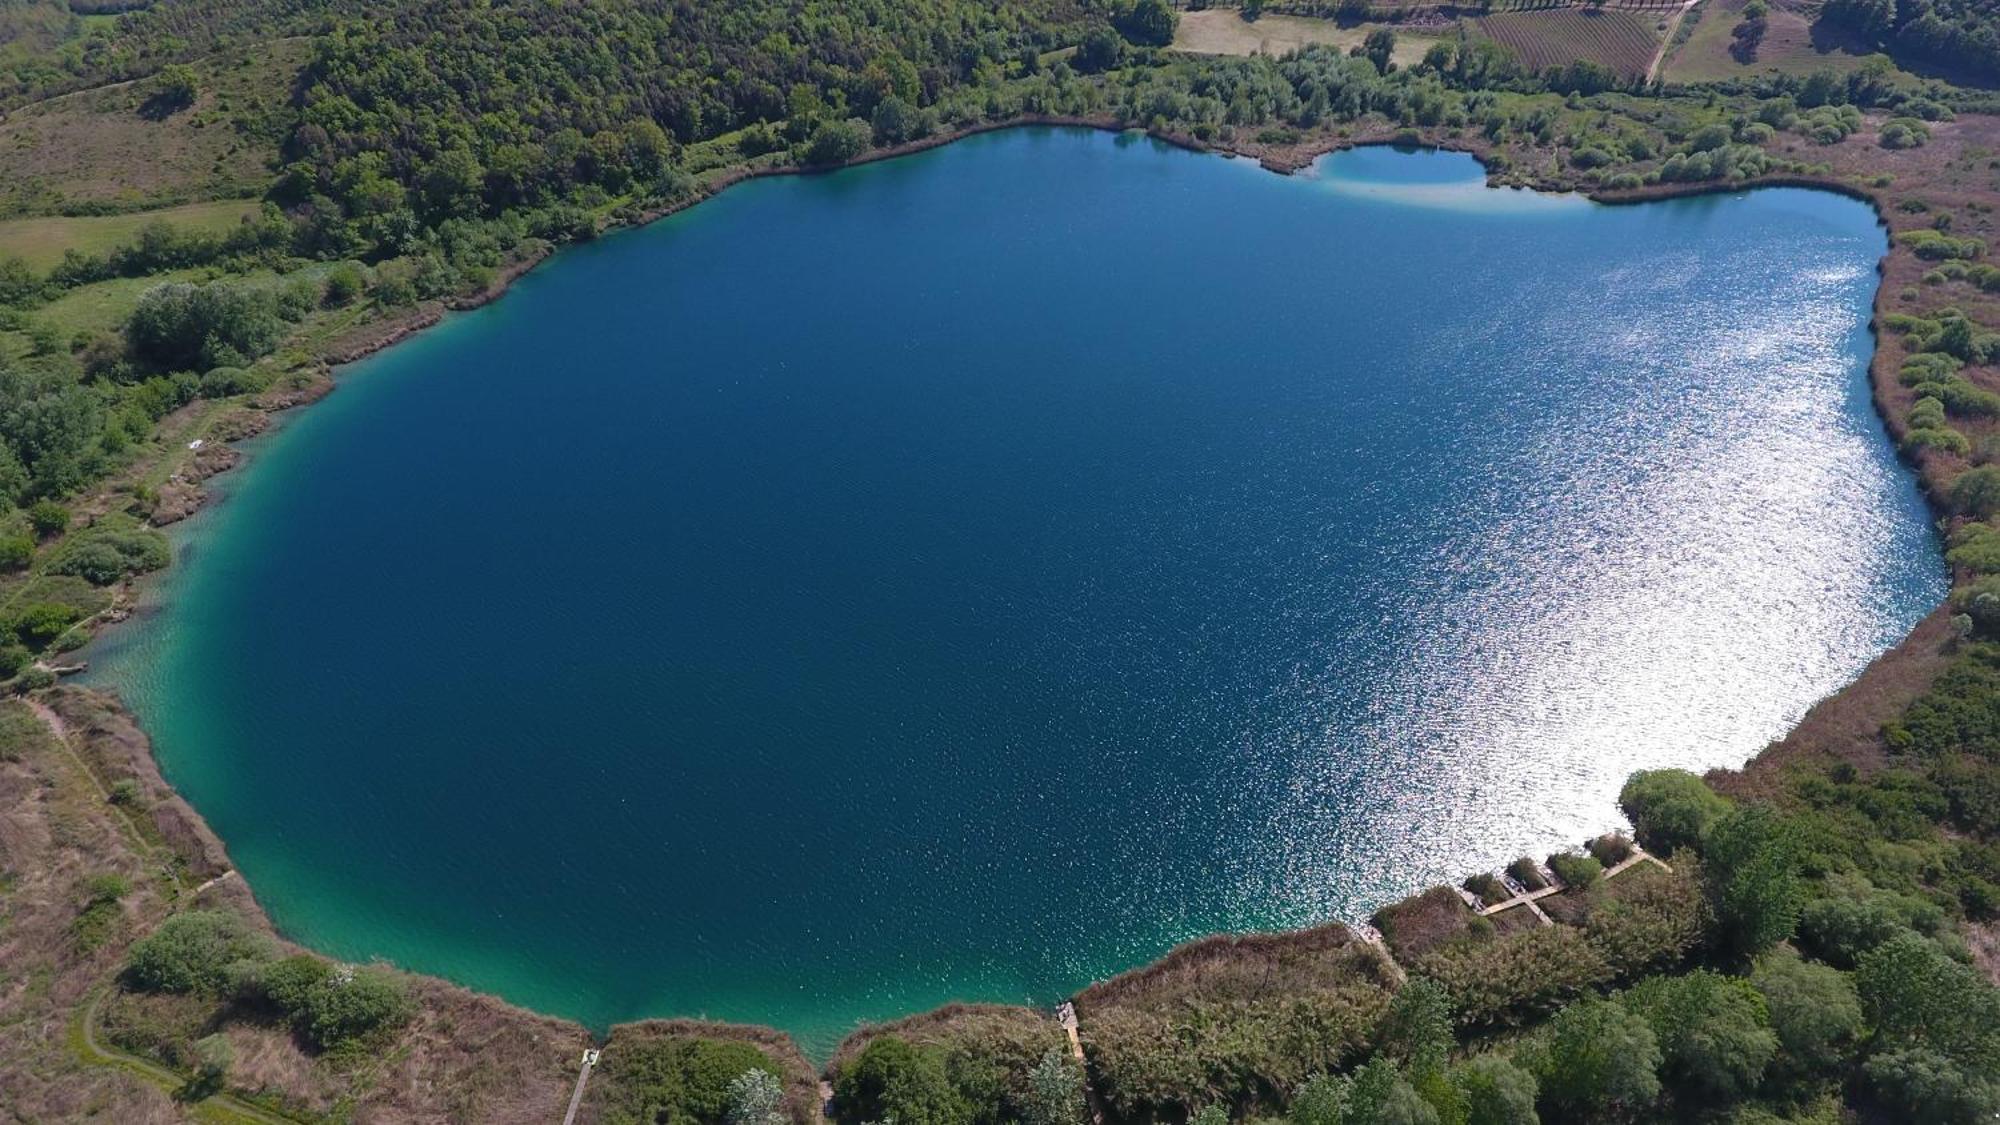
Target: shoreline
364	340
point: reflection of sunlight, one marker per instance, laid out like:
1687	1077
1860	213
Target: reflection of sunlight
1338	172
1679	621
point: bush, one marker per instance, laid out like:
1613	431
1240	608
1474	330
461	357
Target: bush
1577	871
1611	849
102	556
193	953
756	1097
48	518
38	623
1527	874
1670	809
347	1007
16	552
678	1079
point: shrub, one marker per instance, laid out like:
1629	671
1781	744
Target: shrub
38	623
48	518
1487	887
1512	979
344	283
1611	849
1670	809
192	953
1578	871
346	1007
1976	492
1944	439
16	552
1527	874
102	556
756	1097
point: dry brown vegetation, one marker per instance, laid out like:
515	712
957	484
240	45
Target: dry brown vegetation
80	148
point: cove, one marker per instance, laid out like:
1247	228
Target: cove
966	576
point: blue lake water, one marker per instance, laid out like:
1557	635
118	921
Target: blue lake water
966	576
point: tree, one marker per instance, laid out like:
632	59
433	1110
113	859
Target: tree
756	1098
183	327
1814	1010
1714	1034
1931	1086
1750	861
1101	50
837	142
1379	48
1214	1113
1380	1096
891	1079
175	87
1496	1091
1320	1100
1912	992
350	1005
1600	1059
1669	809
1055	1091
1148	23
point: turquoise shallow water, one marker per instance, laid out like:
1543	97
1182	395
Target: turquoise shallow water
966	576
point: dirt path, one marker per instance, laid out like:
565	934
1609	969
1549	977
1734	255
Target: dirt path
1667	40
221	1107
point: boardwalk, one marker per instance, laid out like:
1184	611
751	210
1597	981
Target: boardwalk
590	1057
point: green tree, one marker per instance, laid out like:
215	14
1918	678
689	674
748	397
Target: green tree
1320	1100
1380	1096
1714	1034
348	1006
1497	1092
1599	1061
175	87
1751	865
837	142
1055	1091
1379	47
1670	809
192	953
1976	492
891	1079
1814	1010
756	1098
1148	23
48	518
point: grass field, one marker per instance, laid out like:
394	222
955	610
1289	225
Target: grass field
1221	31
1789	46
41	241
1618	38
101	146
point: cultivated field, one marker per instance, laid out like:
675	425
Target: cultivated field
41	241
1621	39
1222	31
1790	45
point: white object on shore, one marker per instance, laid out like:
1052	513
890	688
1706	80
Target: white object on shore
195	444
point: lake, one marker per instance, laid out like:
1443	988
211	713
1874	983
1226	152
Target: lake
967	576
